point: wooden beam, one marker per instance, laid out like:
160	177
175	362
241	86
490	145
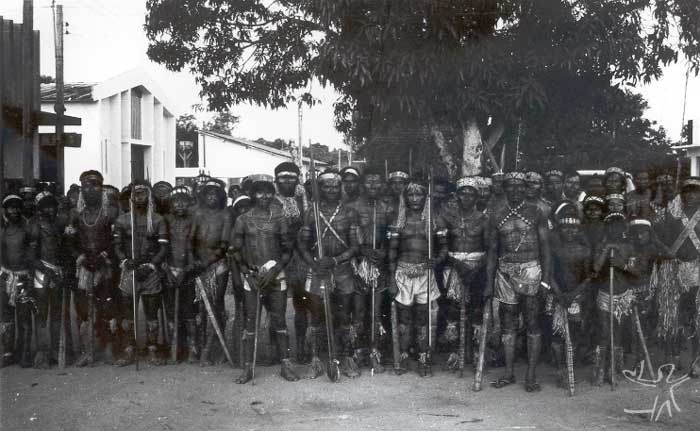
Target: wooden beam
27	91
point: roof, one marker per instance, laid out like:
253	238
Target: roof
72	92
257	146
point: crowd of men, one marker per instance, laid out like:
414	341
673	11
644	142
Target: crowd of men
378	267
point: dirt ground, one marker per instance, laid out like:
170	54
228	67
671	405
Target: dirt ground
188	397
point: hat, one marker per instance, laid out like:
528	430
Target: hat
614	170
533	177
511	177
287	169
472	182
593	200
9	199
615	196
92	174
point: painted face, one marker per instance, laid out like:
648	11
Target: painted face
467	197
396	186
351	185
554	186
330	191
374	184
415	199
572	186
180	206
593	212
616	206
515	191
569	232
641	181
691	197
263	198
140	197
92	190
211	198
287	184
534	189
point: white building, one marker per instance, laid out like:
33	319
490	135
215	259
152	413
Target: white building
128	128
693	150
231	159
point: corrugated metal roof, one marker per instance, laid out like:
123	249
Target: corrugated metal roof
72	92
257	146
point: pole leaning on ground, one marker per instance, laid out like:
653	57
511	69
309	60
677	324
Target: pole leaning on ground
612	322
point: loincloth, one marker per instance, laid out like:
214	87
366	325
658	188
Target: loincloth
281	277
516	279
150	286
368	273
15	285
296	271
340	279
208	280
622	303
412	283
91	279
669	280
453	281
41	278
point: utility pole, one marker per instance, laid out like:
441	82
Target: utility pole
300	115
59	107
27	91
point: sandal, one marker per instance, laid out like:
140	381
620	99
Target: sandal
504	381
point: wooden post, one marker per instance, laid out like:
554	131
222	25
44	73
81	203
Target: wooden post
3	102
59	107
27	92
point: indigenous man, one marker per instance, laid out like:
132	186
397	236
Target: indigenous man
639	200
375	216
90	230
211	234
615	203
466	227
442	191
615	252
397	183
663	197
47	246
678	294
411	273
595	186
615	181
518	262
15	283
340	242
571	267
554	188
496	188
149	237
161	197
593	211
262	248
571	190
28	193
179	265
352	188
533	193
293	201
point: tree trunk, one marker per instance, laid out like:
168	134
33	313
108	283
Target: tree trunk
472	148
442	148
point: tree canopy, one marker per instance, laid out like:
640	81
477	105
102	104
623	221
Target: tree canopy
448	64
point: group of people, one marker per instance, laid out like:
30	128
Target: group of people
377	266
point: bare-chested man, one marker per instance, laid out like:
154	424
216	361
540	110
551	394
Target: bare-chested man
411	273
638	201
46	233
15	283
90	231
397	182
518	263
340	241
262	248
212	230
141	268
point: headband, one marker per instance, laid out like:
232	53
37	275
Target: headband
140	187
561	207
10	198
43	195
614	170
398	174
488	182
554	172
255	177
572	221
533	176
593	200
179	190
415	187
615	196
664	177
329	176
497	175
91	174
27	189
240	198
514	176
691	182
352	171
287	174
472	182
615	215
640	222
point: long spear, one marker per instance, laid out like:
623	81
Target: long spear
135	299
430	259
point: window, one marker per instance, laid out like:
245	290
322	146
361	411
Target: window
135	114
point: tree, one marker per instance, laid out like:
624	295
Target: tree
223	122
47	79
187	154
454	69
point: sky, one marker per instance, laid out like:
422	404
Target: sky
106	38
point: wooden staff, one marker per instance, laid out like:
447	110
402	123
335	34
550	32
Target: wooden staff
374	283
486	321
212	319
612	322
462	330
175	340
135	298
569	353
429	233
258	312
643	342
62	336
